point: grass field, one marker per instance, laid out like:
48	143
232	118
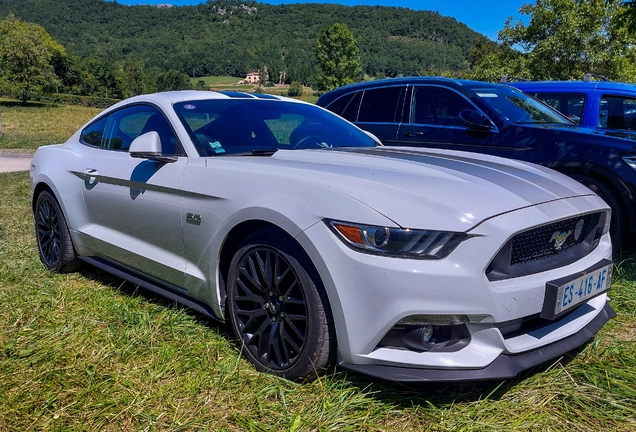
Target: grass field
230	83
87	351
37	124
216	80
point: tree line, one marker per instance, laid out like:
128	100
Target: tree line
233	37
104	49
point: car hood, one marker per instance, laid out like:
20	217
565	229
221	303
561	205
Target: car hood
625	143
433	189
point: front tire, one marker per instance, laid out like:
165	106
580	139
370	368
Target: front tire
278	308
619	223
54	240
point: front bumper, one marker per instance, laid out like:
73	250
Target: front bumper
505	366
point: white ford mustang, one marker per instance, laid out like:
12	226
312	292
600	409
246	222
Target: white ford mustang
320	246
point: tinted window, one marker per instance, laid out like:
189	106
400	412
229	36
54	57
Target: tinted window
569	104
220	126
438	106
118	130
617	112
350	111
94	133
347	106
515	106
380	105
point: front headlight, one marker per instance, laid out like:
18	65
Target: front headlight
397	242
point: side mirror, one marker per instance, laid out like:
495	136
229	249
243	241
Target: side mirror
475	120
148	146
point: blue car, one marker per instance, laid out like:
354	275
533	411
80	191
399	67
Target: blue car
499	120
609	107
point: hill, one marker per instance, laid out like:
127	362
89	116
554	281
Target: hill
232	37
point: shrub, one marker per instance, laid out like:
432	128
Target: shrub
295	89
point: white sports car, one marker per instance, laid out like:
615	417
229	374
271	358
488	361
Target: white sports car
322	247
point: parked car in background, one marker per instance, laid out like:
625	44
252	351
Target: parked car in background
499	120
607	106
320	246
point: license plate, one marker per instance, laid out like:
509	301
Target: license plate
564	294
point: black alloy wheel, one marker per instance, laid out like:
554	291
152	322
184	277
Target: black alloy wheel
276	310
54	240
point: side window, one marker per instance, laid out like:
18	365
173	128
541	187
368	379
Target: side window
121	127
94	133
570	105
380	105
346	106
438	106
617	112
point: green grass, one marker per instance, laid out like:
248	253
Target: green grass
216	80
37	124
87	351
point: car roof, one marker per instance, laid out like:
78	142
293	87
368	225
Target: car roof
573	85
332	95
171	97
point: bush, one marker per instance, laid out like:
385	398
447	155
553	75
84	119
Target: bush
295	89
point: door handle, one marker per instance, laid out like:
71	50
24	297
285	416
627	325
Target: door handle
413	133
91	174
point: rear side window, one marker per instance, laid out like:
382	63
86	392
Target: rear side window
572	105
94	133
118	130
380	105
438	106
347	106
617	112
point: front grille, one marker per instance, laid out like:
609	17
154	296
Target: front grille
547	246
548	240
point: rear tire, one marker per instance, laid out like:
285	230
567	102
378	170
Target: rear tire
278	308
54	240
619	223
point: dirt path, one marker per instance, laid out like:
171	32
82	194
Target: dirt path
15	160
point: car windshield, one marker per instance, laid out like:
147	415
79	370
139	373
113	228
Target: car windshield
517	107
261	126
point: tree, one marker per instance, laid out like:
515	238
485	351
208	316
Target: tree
134	79
338	57
173	80
100	79
26	51
295	89
564	39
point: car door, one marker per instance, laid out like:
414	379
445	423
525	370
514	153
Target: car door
134	205
433	121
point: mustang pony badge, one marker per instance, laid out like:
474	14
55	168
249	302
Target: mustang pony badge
559	238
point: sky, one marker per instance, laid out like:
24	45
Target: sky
484	16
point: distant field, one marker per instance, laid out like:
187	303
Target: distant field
230	83
216	80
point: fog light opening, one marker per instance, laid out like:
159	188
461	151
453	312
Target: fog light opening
427	337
